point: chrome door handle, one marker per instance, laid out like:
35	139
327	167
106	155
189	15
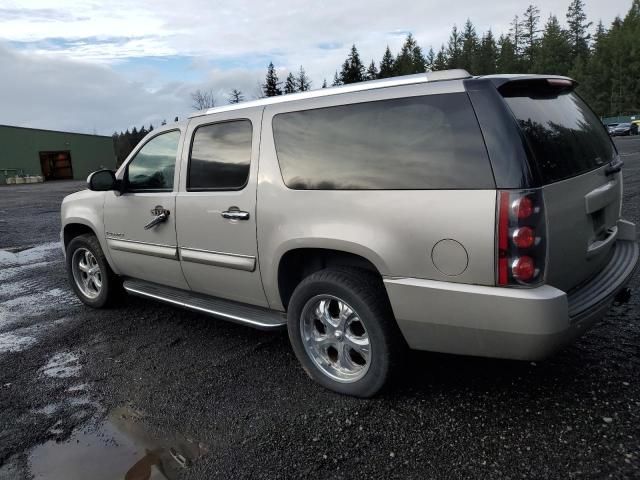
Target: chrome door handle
234	213
159	219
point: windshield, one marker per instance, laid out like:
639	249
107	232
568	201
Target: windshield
564	135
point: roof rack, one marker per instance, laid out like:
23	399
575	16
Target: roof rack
442	75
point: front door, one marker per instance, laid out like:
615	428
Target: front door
140	222
216	207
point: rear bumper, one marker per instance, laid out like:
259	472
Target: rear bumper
524	324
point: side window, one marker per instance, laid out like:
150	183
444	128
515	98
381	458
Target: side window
220	156
413	143
154	165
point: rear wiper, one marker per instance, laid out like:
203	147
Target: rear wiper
614	167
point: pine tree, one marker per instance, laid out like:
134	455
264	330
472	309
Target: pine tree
529	36
454	48
554	52
515	35
271	85
442	60
430	60
324	83
469	46
578	29
291	85
236	96
507	61
372	71
486	58
303	82
387	66
353	70
336	80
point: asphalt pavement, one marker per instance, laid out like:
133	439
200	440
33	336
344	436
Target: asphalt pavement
150	391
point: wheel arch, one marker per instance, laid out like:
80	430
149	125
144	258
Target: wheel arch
295	264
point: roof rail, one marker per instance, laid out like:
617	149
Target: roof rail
456	74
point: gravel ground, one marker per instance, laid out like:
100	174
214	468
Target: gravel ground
146	387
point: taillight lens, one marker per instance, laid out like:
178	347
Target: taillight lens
520	238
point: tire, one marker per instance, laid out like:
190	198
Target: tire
339	361
78	260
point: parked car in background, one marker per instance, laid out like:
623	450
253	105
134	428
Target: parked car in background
635	127
440	211
611	127
622	130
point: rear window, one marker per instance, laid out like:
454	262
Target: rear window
566	138
427	142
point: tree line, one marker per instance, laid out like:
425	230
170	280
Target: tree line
604	60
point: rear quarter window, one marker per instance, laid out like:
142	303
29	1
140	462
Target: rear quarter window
425	142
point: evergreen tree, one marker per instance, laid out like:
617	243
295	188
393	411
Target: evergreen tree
387	66
529	36
291	85
554	53
410	59
578	29
486	58
515	35
271	85
442	60
336	80
372	71
353	70
324	83
430	60
236	96
469	46
454	48
507	61
303	82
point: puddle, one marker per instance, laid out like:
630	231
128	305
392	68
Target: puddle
118	448
62	365
12	343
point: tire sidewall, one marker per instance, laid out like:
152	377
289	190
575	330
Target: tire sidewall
93	246
379	366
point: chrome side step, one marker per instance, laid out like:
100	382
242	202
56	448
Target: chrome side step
257	317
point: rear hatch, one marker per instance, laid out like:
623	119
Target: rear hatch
572	155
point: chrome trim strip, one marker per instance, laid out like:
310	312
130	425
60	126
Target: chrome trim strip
218	259
228	316
143	248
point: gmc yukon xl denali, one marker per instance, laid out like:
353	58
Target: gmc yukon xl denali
443	212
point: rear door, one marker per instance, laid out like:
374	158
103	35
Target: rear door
571	153
216	206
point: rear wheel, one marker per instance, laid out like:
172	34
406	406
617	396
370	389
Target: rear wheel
89	273
343	332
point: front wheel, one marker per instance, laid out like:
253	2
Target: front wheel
342	330
90	276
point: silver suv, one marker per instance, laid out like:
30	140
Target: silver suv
443	212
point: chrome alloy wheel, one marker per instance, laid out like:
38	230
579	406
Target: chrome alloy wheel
335	338
86	273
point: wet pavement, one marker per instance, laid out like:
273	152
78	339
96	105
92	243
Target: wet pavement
147	391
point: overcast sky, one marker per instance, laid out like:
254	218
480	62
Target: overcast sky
99	66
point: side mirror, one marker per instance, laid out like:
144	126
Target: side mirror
102	180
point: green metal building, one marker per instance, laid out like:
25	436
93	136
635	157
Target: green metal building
51	154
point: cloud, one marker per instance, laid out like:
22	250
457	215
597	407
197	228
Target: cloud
91	65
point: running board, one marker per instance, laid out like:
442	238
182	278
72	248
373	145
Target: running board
257	317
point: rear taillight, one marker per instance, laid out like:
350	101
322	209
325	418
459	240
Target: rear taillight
520	238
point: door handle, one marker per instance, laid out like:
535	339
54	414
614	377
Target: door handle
158	219
234	213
